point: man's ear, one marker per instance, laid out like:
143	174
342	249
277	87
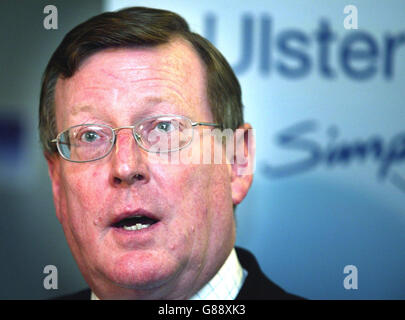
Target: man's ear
243	164
54	173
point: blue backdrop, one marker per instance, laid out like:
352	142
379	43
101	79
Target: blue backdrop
328	107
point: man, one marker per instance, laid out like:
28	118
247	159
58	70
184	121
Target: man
121	92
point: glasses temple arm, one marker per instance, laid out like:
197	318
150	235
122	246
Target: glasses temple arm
60	142
204	124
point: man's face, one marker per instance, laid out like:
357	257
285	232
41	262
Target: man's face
191	203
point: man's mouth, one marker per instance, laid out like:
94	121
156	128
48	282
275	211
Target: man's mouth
134	222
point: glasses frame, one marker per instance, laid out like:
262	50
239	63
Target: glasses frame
136	135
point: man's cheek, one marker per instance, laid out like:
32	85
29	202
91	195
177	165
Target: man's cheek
81	214
82	195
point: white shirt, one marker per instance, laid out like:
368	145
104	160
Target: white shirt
225	285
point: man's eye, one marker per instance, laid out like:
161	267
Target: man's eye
89	136
165	126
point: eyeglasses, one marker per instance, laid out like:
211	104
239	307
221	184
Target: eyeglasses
158	134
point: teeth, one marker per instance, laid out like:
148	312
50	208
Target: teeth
137	226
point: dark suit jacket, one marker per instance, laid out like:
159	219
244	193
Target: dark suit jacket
256	286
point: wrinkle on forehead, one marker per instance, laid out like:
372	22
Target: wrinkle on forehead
177	58
115	74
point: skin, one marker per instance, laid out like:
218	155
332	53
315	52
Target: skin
193	202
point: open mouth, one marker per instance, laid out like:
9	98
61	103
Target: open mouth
134	223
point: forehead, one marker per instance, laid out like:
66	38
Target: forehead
132	79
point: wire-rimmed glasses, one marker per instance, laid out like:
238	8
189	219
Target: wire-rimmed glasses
158	134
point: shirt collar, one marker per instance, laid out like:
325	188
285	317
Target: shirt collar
225	285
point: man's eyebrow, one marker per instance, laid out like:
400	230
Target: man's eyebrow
148	102
151	101
78	109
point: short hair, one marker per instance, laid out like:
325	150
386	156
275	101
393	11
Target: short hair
137	27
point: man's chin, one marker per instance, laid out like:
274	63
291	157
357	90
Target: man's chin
146	274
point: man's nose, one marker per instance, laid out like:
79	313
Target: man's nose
129	165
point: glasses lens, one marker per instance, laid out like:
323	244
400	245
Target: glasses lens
85	142
164	133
